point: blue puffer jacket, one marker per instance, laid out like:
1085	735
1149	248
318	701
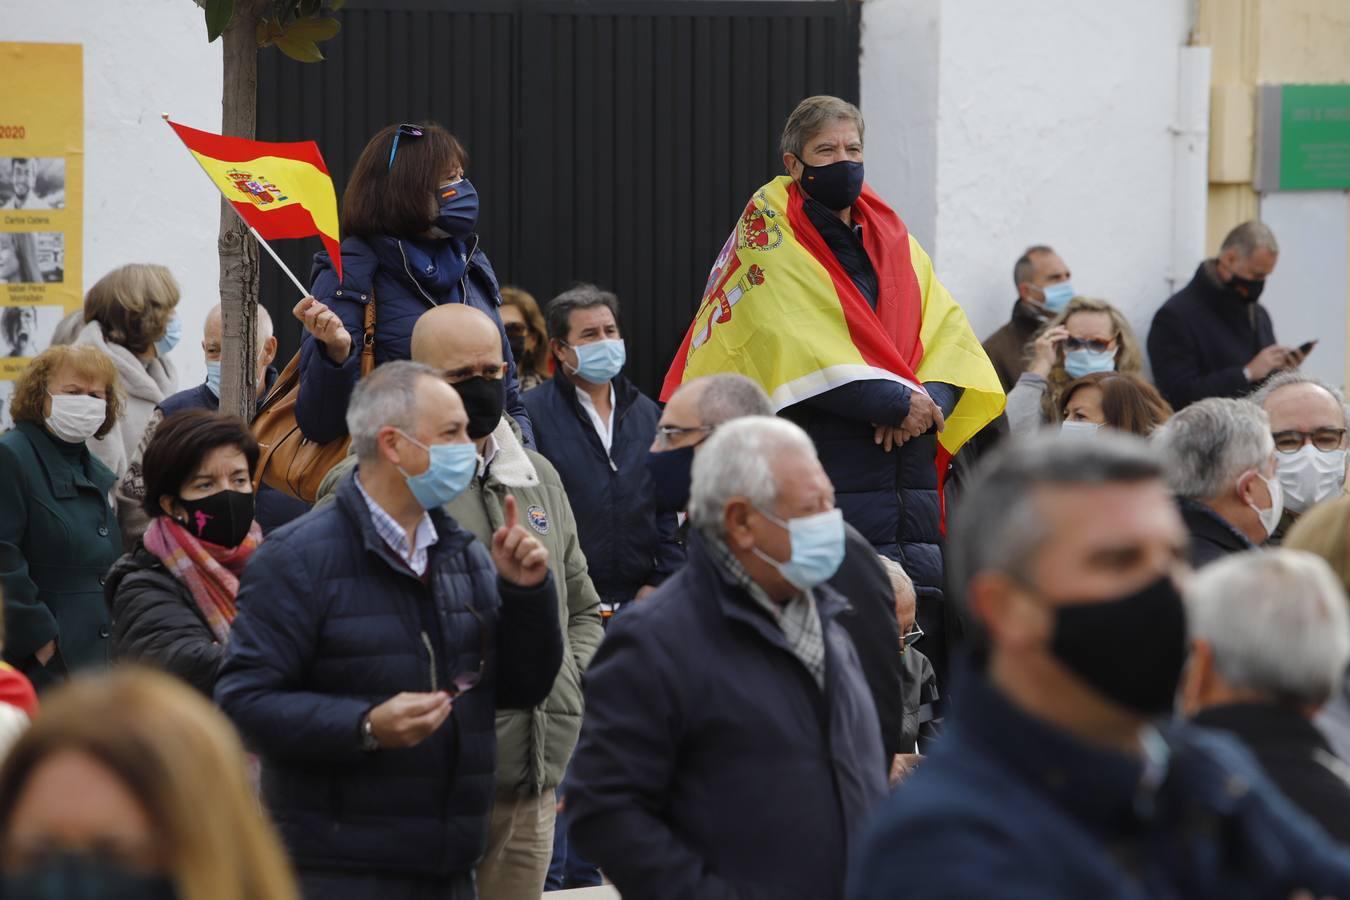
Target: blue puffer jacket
332	623
401	297
626	542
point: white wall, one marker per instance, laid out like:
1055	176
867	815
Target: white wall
1051	126
145	200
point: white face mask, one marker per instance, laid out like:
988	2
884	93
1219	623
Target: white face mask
1078	428
1270	518
75	417
1310	476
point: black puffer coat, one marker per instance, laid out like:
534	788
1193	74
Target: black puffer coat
156	621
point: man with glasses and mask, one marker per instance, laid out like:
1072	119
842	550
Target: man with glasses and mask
1308	423
1213	338
1061	773
533	745
375	643
1220	462
691	415
730	747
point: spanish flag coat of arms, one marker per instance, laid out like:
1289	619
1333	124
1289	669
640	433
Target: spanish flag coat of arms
780	309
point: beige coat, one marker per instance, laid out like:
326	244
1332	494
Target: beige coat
142	386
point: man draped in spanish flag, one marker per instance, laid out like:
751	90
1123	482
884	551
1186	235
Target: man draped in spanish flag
822	296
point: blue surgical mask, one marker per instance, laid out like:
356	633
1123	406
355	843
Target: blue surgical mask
451	468
213	377
817	548
86	876
164	346
599	361
1084	362
1057	296
457	208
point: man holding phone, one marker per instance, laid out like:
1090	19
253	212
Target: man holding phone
1213	338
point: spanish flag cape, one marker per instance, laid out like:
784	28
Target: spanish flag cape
780	309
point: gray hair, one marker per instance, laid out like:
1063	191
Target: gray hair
1025	267
1249	237
1209	444
997	526
730	396
1290	377
387	397
812	115
1277	621
582	296
737	461
900	580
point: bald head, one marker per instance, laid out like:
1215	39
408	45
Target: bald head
458	341
707	402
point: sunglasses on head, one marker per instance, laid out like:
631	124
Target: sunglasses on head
405	130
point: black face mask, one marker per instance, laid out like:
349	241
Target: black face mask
671	474
223	518
484	399
836	186
81	876
1248	290
517	342
1130	650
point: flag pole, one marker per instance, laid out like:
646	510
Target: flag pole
304	291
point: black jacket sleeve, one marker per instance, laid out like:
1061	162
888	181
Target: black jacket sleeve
1176	369
154	624
529	643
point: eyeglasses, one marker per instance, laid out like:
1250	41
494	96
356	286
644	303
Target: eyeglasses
412	131
666	434
1099	346
910	636
1326	439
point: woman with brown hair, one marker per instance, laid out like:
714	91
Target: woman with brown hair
58	535
129	314
1114	399
1088	336
132	785
528	335
409	220
173	596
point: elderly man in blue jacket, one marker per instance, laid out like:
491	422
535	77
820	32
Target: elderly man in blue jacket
1062	774
595	426
730	748
374	643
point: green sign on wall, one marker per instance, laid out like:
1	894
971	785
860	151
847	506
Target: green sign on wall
1304	140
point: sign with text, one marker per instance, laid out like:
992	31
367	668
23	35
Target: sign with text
1304	140
41	200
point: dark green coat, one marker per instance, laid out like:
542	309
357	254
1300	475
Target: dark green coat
58	538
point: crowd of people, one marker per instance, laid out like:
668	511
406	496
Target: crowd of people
858	607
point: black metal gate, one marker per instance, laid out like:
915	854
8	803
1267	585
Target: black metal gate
612	142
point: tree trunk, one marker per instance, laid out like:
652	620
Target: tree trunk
238	250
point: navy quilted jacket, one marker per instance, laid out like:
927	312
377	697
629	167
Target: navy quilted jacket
332	623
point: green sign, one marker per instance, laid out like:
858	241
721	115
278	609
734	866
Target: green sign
1305	138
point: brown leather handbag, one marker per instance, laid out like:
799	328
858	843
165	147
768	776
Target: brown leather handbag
289	461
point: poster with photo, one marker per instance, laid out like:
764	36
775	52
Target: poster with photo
41	200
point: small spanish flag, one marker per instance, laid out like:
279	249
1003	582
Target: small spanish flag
280	190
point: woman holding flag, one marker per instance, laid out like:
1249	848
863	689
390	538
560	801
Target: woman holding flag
409	217
822	296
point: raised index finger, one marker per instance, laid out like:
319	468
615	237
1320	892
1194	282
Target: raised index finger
509	511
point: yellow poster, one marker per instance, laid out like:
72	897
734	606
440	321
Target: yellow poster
41	194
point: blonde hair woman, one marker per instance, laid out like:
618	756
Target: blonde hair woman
1087	336
132	781
129	314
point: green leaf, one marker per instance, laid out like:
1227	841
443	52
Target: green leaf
298	50
218	14
313	30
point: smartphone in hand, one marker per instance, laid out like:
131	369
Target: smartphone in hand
1305	349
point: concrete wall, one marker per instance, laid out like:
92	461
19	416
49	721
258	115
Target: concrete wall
145	200
1046	122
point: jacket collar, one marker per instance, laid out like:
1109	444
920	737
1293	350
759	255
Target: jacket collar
1094	784
1202	520
1257	724
625	393
66	473
1025	319
154	382
511	466
450	537
360	262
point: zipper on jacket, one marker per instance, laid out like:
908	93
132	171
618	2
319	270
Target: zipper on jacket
411	277
464	279
431	655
